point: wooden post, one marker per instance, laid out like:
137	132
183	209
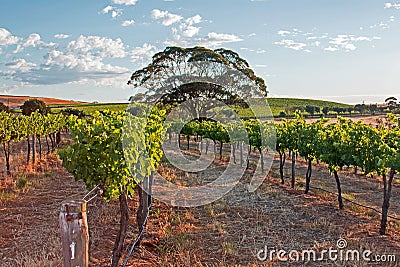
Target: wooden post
74	233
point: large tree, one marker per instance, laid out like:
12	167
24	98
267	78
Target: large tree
32	105
178	74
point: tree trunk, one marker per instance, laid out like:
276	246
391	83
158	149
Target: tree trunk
40	146
29	151
282	159
220	150
386	201
47	143
188	142
308	176
33	149
384	186
262	160
58	138
142	209
293	169
248	158
241	154
6	147
119	241
233	149
340	200
52	141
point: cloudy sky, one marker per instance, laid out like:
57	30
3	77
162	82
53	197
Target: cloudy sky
341	50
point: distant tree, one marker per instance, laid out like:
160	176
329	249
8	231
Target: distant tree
69	111
360	108
325	110
282	114
4	108
295	108
339	110
391	102
32	105
310	110
373	108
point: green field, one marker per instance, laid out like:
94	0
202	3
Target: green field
91	108
277	106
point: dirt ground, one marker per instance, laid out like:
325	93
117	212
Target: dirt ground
16	101
228	232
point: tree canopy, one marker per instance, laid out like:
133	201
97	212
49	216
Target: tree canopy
4	107
32	105
178	74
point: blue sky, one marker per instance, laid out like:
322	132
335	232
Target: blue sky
342	50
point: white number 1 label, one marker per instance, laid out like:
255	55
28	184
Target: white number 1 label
72	246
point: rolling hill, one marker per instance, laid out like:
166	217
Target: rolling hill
16	101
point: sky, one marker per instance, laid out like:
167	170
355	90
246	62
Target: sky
341	50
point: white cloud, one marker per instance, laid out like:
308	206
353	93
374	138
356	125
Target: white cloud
115	12
383	25
191	31
283	32
186	28
61	36
33	40
211	40
302	40
392	5
125	2
66	67
86	63
343	41
21	64
166	17
194	20
98	46
126	23
291	44
316	43
107	9
80	61
223	37
6	38
142	53
331	49
347	42
317	37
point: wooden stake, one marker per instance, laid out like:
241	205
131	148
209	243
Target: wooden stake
74	233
